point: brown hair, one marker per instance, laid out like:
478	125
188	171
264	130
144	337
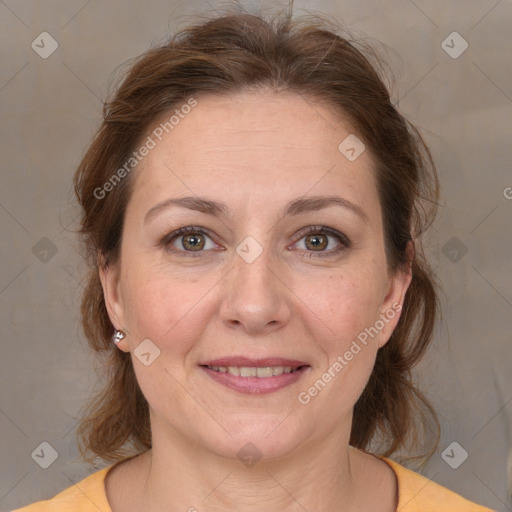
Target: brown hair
222	55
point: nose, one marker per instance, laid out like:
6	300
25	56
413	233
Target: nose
256	297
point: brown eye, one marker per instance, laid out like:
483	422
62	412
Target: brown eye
323	241
193	242
188	240
315	242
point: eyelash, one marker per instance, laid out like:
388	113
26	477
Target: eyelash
345	243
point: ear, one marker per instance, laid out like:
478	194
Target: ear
392	304
110	280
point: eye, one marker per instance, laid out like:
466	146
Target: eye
192	241
317	239
189	239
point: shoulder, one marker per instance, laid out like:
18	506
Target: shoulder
417	493
88	495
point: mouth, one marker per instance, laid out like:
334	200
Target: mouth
261	372
255	376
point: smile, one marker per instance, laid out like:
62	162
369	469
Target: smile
251	371
255	380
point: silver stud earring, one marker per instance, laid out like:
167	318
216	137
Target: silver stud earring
118	336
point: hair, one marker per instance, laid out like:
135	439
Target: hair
222	55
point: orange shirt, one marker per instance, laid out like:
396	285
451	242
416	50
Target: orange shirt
416	493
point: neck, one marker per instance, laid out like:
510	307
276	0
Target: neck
317	476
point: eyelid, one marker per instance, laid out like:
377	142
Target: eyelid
184	231
309	230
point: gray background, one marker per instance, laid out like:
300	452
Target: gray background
50	109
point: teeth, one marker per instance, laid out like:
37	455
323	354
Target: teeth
252	371
248	372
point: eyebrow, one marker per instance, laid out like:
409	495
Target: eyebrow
217	209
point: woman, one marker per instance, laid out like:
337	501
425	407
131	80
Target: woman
252	211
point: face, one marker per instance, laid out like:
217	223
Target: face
276	274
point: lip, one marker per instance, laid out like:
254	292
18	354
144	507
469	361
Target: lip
251	363
255	385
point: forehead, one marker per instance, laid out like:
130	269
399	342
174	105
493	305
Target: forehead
249	143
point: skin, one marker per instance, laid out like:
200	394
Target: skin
255	151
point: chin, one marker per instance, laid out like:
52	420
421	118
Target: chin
255	437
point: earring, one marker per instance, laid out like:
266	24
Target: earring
118	336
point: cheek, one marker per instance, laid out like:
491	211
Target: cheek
350	351
349	307
347	303
166	309
167	306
